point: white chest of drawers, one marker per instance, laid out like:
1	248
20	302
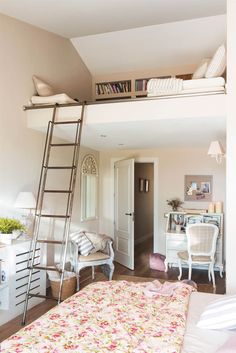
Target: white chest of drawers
14	279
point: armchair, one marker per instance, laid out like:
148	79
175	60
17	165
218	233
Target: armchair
103	255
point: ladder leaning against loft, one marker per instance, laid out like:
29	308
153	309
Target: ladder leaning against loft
42	191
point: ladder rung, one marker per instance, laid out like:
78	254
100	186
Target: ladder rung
63	144
45	268
41	296
52	216
67	122
65	167
45	241
59	191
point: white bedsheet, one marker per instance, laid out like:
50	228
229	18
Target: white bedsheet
61	98
204	83
198	340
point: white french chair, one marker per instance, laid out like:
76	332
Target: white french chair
103	258
201	248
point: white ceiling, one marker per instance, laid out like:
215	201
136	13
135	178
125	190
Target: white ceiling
76	18
154	134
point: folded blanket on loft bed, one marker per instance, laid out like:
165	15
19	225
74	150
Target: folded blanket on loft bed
165	85
171	86
112	316
61	98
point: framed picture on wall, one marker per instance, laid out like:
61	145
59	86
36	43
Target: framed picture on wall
198	187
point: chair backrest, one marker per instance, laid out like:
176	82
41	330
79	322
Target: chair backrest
201	239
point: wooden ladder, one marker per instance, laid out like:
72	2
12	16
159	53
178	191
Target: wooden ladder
50	146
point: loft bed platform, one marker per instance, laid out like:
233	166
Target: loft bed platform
151	111
148	108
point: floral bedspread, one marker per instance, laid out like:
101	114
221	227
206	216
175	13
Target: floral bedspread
106	317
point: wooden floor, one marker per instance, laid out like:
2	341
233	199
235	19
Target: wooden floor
142	269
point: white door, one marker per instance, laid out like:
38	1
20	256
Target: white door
124	212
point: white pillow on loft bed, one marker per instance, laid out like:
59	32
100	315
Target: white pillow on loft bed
217	64
201	69
43	89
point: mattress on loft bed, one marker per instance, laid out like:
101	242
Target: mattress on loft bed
203	85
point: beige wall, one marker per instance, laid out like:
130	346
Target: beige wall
27	50
173	165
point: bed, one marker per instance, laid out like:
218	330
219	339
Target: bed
119	316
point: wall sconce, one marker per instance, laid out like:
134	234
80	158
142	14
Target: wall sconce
216	151
26	200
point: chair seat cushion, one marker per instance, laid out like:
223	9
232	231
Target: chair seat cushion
93	257
183	255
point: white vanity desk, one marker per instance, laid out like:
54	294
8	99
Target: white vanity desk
176	239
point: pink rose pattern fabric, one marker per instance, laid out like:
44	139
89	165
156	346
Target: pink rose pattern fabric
114	316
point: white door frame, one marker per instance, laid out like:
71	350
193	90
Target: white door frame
155	161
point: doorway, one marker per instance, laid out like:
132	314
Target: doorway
124	210
143	210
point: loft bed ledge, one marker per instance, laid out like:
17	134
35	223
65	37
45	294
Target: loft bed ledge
112	101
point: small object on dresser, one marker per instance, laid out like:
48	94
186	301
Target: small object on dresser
175	203
211	207
218	207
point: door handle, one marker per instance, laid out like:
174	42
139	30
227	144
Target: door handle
128	214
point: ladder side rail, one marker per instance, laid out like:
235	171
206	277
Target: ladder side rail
46	159
44	170
74	164
71	197
76	157
39	202
42	183
38	193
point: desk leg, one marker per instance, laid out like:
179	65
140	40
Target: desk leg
221	271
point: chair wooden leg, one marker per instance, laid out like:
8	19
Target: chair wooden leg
189	270
112	267
78	277
213	275
180	269
209	273
93	273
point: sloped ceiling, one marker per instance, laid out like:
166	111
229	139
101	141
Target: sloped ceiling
131	35
170	45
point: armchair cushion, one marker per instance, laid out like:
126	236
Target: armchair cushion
93	257
99	241
185	256
84	245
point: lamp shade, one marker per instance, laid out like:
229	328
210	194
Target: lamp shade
25	200
216	150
